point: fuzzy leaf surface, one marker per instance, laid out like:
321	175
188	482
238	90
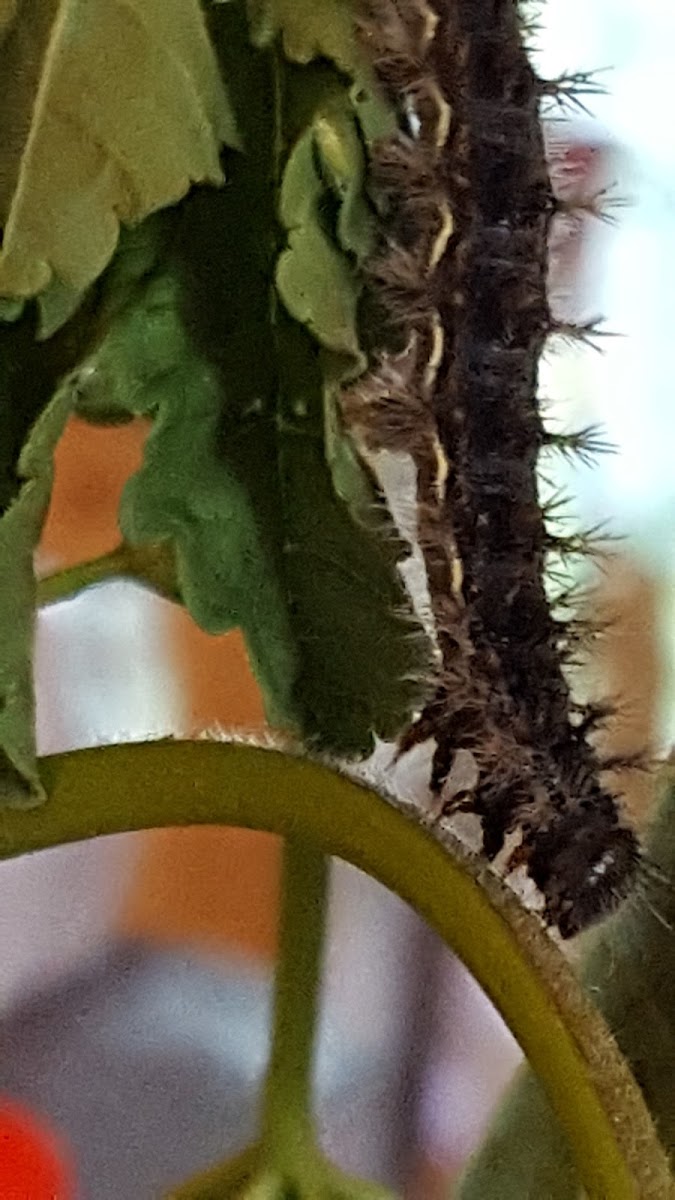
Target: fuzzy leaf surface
109	109
263	540
237	470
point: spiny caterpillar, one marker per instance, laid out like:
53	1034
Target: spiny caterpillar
461	277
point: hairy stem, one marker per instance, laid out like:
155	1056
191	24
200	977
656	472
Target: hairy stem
152	566
113	789
287	1123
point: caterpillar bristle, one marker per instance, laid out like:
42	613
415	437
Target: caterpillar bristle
573	596
531	32
387	408
601	205
545	404
390	44
397	277
594	716
553	507
585	444
580	630
585	333
567	90
634	760
655	875
403	168
593	542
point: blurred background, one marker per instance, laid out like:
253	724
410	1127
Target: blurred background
135	983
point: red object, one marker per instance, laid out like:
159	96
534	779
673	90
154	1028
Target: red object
34	1163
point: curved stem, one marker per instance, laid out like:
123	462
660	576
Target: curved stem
287	1122
153	566
118	788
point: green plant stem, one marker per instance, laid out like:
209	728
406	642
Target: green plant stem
167	783
152	566
287	1122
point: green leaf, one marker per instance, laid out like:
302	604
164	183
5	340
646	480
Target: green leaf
189	490
10	309
239	468
32	417
109	109
343	162
309	30
27	383
264	542
330	227
315	280
143	337
20	529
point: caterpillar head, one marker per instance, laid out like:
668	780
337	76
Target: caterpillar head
584	865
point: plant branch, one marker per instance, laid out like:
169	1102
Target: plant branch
287	1123
113	789
152	566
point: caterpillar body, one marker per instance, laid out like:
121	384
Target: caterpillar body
462	278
